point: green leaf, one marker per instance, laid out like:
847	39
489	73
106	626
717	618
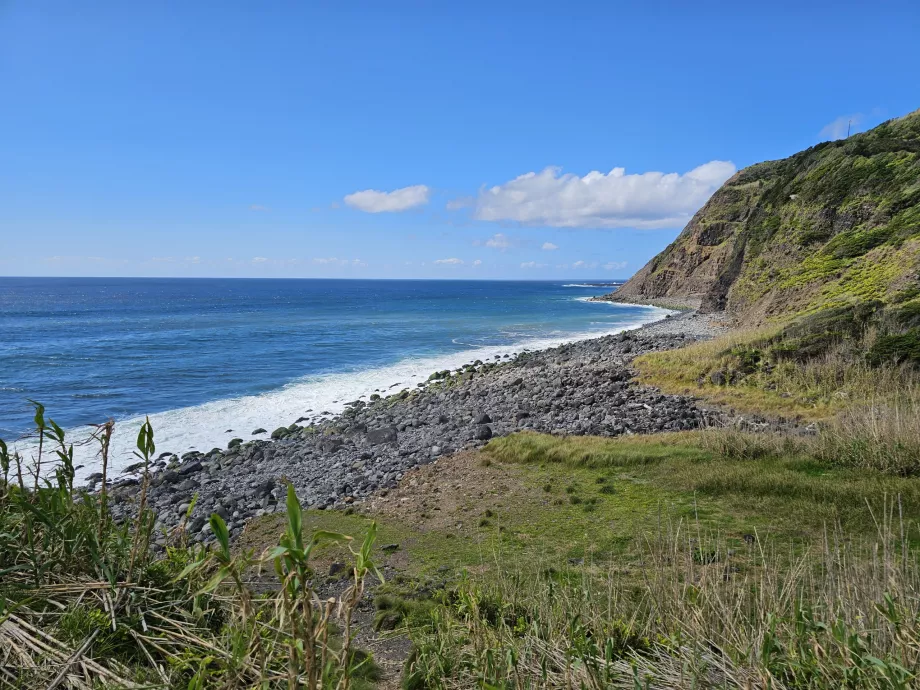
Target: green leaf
58	431
191	506
368	544
187	570
219	527
378	574
295	518
39	414
276	552
145	442
325	535
215	581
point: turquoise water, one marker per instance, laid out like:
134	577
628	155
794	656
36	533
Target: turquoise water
205	356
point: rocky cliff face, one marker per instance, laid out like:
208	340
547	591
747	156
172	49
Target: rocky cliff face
836	224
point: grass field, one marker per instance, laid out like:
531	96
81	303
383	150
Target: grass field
642	555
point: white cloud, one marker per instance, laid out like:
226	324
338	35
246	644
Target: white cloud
477	262
598	200
259	207
550	247
614	265
452	261
584	264
462	202
259	259
334	261
532	264
498	241
839	127
373	201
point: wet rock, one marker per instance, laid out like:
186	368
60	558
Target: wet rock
169	477
330	445
187	485
264	488
385	434
190	468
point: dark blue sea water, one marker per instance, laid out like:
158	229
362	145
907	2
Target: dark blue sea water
204	356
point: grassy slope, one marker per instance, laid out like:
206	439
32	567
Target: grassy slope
622	488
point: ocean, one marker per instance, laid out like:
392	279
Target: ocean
213	359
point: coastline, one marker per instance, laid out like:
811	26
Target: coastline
310	400
575	388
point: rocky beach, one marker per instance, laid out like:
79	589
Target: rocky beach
579	388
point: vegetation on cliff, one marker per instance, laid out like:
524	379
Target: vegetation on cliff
830	227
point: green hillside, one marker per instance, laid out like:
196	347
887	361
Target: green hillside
835	225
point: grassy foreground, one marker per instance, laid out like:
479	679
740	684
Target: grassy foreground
86	603
688	560
705	559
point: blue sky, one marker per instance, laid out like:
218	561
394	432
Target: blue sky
429	140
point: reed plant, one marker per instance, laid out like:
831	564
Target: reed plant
85	602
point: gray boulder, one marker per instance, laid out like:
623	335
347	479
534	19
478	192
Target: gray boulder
386	434
190	468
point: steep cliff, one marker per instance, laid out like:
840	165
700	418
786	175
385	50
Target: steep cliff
834	225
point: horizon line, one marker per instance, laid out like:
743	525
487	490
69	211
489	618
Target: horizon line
517	280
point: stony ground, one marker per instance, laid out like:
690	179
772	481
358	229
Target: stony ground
580	388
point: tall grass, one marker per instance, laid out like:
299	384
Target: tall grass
696	610
746	369
879	434
85	603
